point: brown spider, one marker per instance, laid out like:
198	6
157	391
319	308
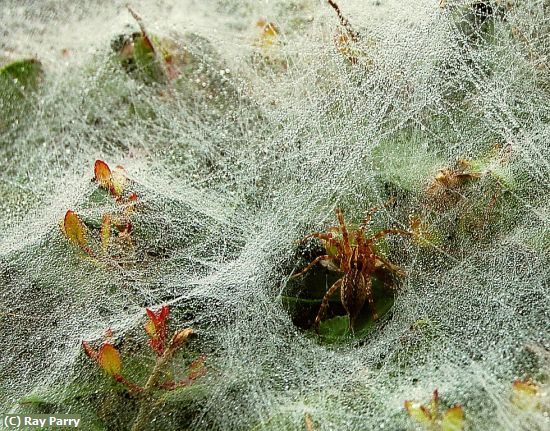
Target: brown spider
448	180
355	256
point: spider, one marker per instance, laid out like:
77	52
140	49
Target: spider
449	180
355	256
444	189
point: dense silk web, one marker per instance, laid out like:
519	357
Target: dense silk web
232	173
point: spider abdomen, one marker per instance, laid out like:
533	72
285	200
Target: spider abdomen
355	289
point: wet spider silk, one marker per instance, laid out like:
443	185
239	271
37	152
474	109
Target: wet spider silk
261	137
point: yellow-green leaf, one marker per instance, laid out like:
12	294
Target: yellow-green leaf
423	234
269	36
525	395
309	422
105	231
453	419
418	412
149	327
109	359
74	229
180	337
119	179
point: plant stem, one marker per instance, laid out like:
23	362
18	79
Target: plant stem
146	404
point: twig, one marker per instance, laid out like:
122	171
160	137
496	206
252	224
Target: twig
149	42
139	20
146	404
344	21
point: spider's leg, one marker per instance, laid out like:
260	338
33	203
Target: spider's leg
323	236
345	236
324	303
385	232
360	239
312	264
391	266
373	210
319	235
368	218
468	175
329	240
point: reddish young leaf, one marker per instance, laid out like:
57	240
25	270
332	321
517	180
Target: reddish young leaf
124	228
111	180
103	174
109	359
92	354
74	229
156	328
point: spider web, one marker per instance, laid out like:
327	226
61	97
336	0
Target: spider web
227	185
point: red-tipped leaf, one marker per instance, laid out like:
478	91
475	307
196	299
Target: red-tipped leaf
90	352
103	174
156	328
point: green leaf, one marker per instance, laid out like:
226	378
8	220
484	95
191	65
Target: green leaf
21	76
37	399
337	330
303	309
18	81
146	60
